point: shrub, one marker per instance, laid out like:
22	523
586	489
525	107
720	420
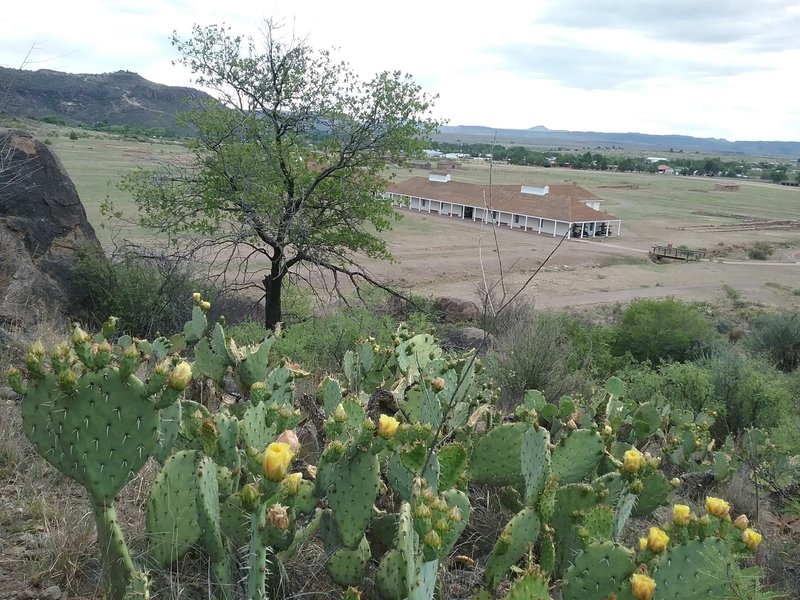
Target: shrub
148	295
777	336
539	354
658	330
760	251
73	135
685	386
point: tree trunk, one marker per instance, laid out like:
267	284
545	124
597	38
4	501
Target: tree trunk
272	301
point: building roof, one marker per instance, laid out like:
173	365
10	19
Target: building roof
564	202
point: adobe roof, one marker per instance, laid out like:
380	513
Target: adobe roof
564	202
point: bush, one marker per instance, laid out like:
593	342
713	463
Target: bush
760	251
657	330
777	336
148	295
685	386
542	354
73	135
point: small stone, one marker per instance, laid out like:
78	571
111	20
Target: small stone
51	593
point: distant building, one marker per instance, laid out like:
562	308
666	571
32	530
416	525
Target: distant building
666	170
551	209
726	187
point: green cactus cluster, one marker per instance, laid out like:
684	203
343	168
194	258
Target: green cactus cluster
407	430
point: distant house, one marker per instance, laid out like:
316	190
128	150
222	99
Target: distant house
726	187
551	209
447	165
666	170
420	164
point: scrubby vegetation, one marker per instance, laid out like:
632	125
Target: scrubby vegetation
454	452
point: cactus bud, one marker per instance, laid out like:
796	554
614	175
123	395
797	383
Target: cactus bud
642	586
292	483
632	461
428	495
68	381
441	525
249	495
455	514
334	451
103	355
15	380
79	336
637	486
339	415
278	517
130	352
422	511
36	349
718	507
741	522
432	540
607	430
196	297
571	425
181	376
657	540
289	437
277	458
387	426
681	514
311	471
675	482
440	504
205	306
751	538
438	384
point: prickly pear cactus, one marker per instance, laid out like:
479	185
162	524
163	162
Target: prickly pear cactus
515	540
599	571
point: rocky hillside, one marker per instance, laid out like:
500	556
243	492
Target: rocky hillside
120	98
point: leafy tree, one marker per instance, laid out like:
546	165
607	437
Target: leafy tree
661	330
287	169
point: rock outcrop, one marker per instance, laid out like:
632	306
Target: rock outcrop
43	226
456	310
469	338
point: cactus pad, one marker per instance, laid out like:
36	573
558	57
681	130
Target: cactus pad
515	539
531	586
535	462
577	455
352	495
693	571
599	571
495	457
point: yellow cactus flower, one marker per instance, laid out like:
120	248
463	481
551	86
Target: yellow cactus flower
681	514
181	376
751	538
657	540
642	586
196	297
675	482
642	543
632	461
387	426
205	305
718	507
277	458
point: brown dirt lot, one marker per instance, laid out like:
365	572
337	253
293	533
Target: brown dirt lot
442	256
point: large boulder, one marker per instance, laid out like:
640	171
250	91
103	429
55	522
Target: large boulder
469	338
43	226
455	310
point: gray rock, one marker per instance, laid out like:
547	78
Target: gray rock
51	593
43	226
467	338
456	310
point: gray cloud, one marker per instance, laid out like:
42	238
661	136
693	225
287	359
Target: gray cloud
592	68
766	24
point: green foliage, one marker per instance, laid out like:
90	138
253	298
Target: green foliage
778	337
426	419
291	162
149	294
681	385
658	330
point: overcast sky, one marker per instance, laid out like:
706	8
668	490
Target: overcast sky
717	68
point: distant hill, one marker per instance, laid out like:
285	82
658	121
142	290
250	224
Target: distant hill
542	136
120	98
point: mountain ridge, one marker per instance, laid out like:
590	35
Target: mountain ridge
541	135
117	98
